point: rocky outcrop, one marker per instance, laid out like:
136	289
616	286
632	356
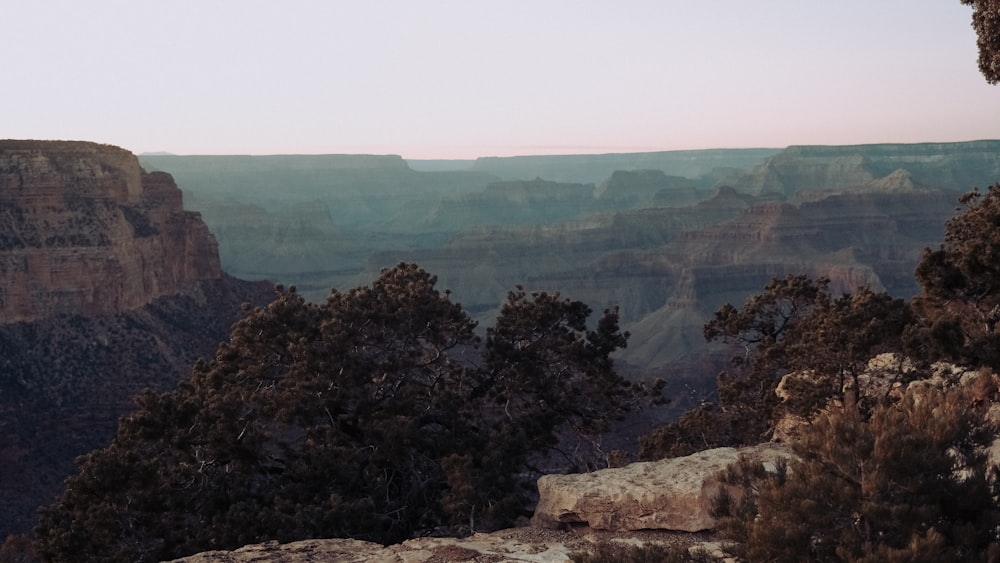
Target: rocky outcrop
671	494
83	229
512	546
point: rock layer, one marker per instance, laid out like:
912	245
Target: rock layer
84	229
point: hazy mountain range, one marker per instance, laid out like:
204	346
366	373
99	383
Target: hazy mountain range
668	237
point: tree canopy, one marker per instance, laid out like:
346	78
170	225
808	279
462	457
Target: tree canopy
986	22
960	301
794	325
378	415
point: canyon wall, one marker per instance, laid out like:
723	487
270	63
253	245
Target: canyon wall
107	287
666	237
84	229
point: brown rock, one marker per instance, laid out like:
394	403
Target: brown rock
83	229
671	494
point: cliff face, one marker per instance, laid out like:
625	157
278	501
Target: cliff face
107	287
84	229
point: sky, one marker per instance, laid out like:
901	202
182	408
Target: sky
461	79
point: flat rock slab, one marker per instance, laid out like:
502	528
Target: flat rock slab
671	494
516	545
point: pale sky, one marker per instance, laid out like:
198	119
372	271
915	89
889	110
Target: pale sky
468	78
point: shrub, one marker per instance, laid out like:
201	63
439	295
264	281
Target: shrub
614	552
908	483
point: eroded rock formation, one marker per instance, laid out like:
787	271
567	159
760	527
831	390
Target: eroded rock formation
83	229
662	503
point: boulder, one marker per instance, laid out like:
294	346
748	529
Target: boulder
671	494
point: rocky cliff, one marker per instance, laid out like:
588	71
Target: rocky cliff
83	229
107	287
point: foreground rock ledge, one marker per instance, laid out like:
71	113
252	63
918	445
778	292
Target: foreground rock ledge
663	502
671	494
506	546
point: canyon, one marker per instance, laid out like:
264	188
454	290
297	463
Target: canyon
118	272
665	237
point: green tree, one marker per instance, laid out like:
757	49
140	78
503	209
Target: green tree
765	331
986	22
910	482
746	398
378	415
834	344
960	301
795	325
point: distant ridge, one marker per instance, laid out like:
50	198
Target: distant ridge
440	165
956	166
598	167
